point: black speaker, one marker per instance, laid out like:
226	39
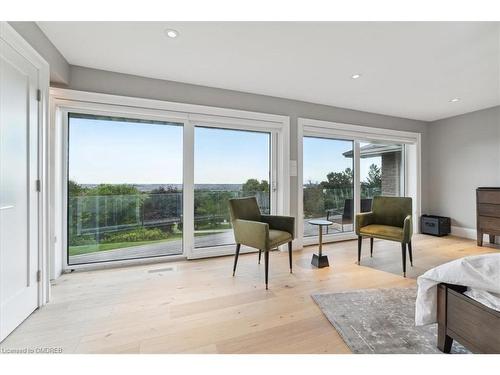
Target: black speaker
435	225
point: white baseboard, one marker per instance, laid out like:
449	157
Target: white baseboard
463	232
297	244
470	233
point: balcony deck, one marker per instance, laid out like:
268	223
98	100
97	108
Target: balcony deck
175	247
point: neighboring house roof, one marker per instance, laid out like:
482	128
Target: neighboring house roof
373	149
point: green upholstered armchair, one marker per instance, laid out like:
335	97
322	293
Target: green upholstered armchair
390	219
263	232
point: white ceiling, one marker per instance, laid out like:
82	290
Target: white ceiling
409	70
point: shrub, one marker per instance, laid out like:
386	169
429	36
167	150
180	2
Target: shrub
136	235
84	239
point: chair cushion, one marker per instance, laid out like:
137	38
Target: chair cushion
385	232
278	237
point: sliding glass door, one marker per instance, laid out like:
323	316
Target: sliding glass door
228	163
147	185
341	177
124	188
328	187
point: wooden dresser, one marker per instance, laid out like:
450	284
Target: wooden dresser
488	213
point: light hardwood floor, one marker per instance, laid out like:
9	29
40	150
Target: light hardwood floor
198	307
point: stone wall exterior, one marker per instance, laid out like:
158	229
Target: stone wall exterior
391	174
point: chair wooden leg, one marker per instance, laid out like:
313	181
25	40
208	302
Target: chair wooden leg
403	254
260	252
266	262
238	245
410	253
360	239
290	254
371	247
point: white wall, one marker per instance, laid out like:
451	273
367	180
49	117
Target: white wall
463	154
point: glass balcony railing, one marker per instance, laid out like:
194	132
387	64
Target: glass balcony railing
211	215
115	227
335	205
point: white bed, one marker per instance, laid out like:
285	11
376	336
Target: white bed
479	273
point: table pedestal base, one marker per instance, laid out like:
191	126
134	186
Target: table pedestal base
320	261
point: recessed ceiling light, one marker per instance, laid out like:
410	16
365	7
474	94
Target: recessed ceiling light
454	100
356	76
172	33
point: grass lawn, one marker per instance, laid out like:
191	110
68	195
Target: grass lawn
219	226
85	249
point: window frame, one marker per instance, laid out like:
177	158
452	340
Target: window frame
358	134
66	129
274	183
64	101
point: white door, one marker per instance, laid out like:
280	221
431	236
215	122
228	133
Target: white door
18	189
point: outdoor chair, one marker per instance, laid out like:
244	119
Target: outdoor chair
262	232
347	214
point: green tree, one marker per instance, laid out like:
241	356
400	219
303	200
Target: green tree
374	178
164	190
253	185
163	203
314	199
114	189
264	186
75	189
338	179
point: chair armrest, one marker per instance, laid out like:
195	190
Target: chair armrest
251	233
407	229
284	223
363	219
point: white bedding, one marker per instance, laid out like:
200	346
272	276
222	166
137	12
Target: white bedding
479	273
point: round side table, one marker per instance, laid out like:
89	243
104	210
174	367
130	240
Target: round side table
319	260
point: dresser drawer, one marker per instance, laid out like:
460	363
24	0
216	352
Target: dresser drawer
488	209
489	224
488	196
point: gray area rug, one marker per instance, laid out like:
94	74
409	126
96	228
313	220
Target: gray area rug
380	321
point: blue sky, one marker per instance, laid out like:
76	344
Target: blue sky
122	152
103	151
230	156
322	156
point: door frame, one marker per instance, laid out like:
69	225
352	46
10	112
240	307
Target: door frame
21	46
63	101
357	134
277	179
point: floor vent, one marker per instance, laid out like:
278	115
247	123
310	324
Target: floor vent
161	270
